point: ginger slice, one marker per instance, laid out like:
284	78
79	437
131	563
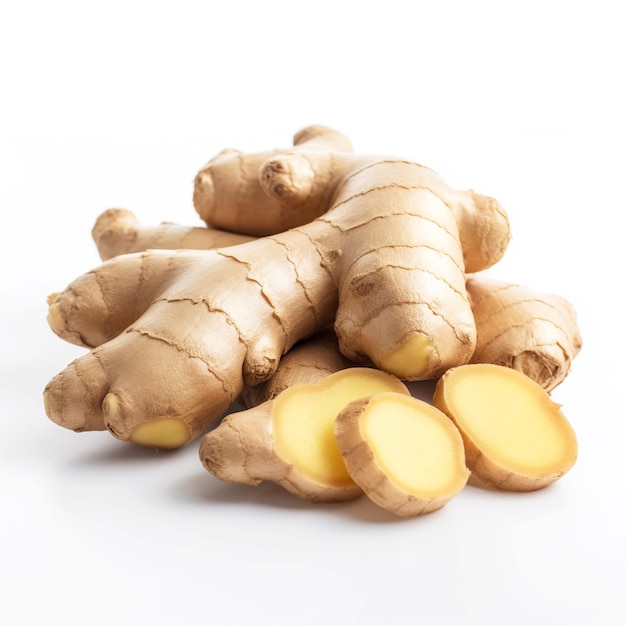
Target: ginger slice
406	455
516	438
290	439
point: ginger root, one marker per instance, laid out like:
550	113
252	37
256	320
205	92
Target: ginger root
531	332
290	440
406	455
176	335
516	438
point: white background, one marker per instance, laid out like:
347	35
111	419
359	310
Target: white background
119	104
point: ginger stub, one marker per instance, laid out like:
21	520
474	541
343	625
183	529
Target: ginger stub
290	440
406	455
532	332
516	438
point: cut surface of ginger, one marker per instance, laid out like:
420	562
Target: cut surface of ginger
304	416
405	454
516	437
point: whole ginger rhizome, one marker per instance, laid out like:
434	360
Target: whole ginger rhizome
317	263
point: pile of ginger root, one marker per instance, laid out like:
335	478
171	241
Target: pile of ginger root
323	284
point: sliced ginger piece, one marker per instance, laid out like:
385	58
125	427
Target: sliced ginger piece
516	438
290	439
405	454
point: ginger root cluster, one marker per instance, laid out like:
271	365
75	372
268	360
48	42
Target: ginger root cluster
314	261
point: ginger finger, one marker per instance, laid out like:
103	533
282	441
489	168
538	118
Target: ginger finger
405	454
402	298
484	229
515	437
534	333
267	193
190	353
101	304
73	398
150	385
117	231
290	440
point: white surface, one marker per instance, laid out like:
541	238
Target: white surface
119	105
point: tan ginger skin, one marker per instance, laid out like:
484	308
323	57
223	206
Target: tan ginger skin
533	332
385	259
520	328
117	231
289	439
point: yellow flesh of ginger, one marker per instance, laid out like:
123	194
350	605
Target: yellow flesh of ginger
512	420
162	433
410	360
304	416
415	445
